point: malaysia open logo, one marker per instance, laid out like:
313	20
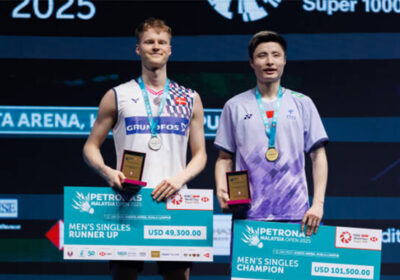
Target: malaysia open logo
249	10
252	237
82	203
176	199
345	237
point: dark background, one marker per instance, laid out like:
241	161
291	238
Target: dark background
359	171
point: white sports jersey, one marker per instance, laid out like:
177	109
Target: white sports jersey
132	129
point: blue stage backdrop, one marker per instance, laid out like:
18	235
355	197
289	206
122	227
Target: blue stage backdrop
58	58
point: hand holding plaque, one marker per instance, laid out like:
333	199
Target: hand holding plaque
132	167
238	187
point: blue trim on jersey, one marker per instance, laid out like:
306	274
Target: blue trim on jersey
223	149
319	143
116	105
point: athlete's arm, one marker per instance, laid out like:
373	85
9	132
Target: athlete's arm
106	118
199	157
313	216
224	164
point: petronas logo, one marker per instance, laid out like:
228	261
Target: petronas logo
82	203
249	10
252	237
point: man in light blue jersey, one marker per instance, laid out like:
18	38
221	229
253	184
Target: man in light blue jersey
267	130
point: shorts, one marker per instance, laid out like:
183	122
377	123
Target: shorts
163	267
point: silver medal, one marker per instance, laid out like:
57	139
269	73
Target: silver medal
155	143
157	100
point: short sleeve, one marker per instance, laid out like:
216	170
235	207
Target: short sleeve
225	139
314	131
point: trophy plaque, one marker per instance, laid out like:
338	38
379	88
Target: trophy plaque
238	187
132	167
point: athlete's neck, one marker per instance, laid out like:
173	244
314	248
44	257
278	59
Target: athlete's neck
154	78
268	91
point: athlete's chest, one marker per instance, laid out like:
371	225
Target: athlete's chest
171	105
170	114
250	122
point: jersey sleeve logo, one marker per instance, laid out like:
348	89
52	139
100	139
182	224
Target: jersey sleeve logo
296	94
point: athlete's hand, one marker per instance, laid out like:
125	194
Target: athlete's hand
167	188
223	198
312	218
114	177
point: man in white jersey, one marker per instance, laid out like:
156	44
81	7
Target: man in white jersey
267	130
130	109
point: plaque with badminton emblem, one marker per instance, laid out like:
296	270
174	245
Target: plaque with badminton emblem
132	167
238	187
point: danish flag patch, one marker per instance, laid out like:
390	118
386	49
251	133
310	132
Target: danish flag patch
180	101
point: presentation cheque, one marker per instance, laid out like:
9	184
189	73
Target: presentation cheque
102	224
275	251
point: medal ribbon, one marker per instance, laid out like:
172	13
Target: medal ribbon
153	121
270	129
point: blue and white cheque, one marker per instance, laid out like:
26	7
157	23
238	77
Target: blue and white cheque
100	224
277	251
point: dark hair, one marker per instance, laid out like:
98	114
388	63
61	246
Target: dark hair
151	22
264	37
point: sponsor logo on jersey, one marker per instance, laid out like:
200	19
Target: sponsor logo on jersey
290	115
166	125
248	116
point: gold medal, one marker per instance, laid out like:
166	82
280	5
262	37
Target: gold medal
272	154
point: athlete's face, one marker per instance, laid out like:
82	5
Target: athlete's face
154	48
268	62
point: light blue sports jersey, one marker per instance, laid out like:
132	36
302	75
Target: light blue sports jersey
278	189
